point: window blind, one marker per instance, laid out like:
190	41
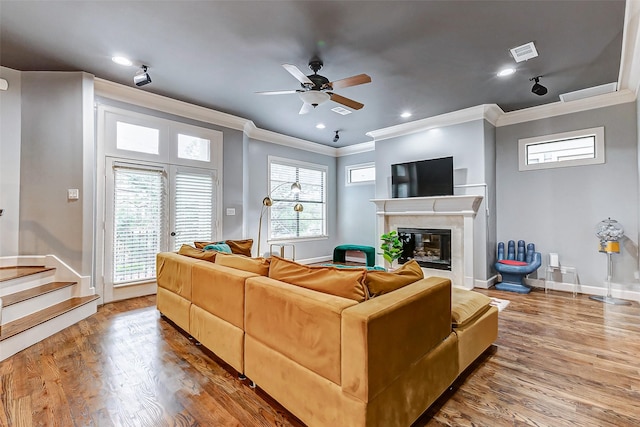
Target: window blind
194	207
139	222
284	221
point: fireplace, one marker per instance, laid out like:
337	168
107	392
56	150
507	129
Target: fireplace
431	248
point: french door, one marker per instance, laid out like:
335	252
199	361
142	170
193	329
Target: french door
151	208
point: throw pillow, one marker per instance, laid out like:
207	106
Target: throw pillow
192	252
382	282
240	247
254	265
345	283
201	245
220	247
512	262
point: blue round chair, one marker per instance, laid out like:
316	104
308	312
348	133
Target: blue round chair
516	265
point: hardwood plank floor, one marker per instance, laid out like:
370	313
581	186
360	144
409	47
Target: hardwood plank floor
558	361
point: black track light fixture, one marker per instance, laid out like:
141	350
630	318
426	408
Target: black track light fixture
537	88
142	77
337	137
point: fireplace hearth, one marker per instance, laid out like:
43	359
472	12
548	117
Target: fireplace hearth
431	248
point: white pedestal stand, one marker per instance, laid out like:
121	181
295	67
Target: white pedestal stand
608	299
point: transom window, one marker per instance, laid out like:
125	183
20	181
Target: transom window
285	222
576	148
361	174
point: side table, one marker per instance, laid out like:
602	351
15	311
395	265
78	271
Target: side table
562	270
281	251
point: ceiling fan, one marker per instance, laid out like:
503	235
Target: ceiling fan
317	89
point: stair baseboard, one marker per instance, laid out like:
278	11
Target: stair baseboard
27	331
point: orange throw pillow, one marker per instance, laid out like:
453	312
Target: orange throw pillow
240	262
192	252
382	282
240	247
345	283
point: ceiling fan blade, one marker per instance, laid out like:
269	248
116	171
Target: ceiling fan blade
351	81
277	92
299	75
345	101
306	108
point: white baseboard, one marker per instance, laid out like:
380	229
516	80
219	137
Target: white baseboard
616	290
315	260
485	284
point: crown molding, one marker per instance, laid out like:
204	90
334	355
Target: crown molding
489	112
629	77
363	147
561	108
254	132
165	104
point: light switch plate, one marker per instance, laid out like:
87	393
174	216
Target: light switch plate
73	194
231	211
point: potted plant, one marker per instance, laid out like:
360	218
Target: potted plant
391	246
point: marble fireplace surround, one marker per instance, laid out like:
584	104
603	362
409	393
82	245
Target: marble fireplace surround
455	213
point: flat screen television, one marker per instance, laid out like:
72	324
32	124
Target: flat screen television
423	178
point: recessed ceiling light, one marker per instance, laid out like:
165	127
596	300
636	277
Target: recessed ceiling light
506	72
405	115
320	126
121	60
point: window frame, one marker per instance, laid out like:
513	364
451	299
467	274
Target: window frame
349	168
599	147
299	165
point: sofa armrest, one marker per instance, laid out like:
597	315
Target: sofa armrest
381	337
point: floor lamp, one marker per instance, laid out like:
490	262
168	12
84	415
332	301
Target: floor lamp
267	202
609	232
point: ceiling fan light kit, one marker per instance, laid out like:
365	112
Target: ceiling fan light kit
317	89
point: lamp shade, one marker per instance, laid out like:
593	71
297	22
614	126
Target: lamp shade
314	97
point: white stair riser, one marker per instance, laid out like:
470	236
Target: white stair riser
12	345
27	282
24	308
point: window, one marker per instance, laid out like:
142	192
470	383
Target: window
361	174
193	148
284	221
141	139
138	223
194	206
577	148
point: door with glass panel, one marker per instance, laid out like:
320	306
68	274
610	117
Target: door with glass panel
156	198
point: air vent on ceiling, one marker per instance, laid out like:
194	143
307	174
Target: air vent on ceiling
341	110
588	92
524	52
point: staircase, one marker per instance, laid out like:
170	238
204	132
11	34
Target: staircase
40	297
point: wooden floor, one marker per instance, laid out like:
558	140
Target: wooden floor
558	361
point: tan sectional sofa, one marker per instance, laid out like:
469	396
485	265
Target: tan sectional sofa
330	360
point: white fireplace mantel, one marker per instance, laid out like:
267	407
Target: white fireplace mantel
456	213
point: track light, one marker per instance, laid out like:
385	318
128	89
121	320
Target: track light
537	88
337	137
142	77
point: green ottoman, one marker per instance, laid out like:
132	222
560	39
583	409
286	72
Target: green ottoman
340	253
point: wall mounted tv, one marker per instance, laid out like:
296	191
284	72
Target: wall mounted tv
423	178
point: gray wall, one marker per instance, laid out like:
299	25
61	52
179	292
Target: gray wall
257	166
54	121
558	209
10	130
356	212
472	145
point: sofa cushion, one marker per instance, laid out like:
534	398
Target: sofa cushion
192	252
240	247
254	265
346	283
382	282
467	306
219	247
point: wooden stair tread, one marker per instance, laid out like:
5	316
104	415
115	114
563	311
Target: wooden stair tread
9	273
17	297
20	325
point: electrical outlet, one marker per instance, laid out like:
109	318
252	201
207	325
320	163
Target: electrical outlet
73	194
